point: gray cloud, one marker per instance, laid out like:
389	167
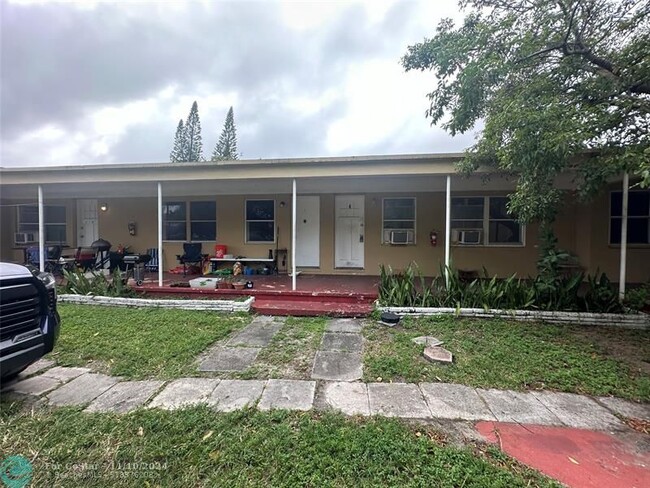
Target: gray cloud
60	64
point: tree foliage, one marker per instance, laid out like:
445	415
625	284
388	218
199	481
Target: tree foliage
226	147
178	151
559	84
187	141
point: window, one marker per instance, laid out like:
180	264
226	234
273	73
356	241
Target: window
484	221
398	220
638	217
260	220
54	220
175	221
203	221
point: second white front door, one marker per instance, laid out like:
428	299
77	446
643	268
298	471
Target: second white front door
308	231
87	228
349	232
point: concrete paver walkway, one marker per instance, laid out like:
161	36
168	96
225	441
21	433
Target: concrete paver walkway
340	355
405	400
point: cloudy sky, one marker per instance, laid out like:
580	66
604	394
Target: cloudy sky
106	82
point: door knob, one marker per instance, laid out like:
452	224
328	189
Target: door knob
361	238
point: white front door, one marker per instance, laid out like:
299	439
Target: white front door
87	226
349	232
308	231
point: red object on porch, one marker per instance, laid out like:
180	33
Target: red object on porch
220	251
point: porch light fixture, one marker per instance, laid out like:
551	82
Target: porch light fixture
282	204
103	207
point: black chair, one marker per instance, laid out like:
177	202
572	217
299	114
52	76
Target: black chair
52	256
191	255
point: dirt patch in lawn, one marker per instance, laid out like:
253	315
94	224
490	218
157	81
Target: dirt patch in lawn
630	346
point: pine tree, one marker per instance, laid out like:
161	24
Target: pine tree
178	151
226	148
193	144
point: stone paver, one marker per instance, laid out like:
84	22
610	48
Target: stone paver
397	400
288	394
65	374
81	390
349	398
37	385
34	368
229	359
336	341
451	401
437	354
255	335
344	325
626	408
184	392
232	395
125	396
427	341
514	406
337	366
578	411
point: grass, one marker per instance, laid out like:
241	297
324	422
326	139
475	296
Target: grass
198	447
139	342
291	352
512	355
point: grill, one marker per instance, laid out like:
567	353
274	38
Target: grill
20	308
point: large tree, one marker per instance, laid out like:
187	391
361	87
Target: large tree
226	148
178	153
193	143
559	84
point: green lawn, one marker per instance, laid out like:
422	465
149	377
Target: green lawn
513	355
139	342
198	447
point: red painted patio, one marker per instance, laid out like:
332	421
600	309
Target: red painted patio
340	296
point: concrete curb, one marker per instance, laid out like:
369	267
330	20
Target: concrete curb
627	321
216	305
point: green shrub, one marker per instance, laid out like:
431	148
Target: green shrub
91	283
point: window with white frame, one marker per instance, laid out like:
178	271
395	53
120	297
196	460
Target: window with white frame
55	221
260	221
398	220
484	221
201	221
638	217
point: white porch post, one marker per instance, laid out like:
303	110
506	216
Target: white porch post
41	230
447	229
623	260
293	236
160	236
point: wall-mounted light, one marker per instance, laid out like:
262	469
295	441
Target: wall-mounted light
282	204
103	207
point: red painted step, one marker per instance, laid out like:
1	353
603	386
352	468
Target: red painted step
311	308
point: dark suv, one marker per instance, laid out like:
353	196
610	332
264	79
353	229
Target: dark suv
29	321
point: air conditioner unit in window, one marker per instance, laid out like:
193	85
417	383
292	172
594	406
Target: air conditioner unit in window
402	237
25	237
467	236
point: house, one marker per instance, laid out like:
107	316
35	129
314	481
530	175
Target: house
352	214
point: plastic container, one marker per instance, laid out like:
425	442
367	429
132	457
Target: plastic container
209	283
220	251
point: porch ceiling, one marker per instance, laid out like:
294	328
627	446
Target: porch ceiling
339	185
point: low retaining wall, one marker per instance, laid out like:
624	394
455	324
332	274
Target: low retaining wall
628	321
216	305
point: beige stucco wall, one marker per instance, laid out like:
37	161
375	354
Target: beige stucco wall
581	228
